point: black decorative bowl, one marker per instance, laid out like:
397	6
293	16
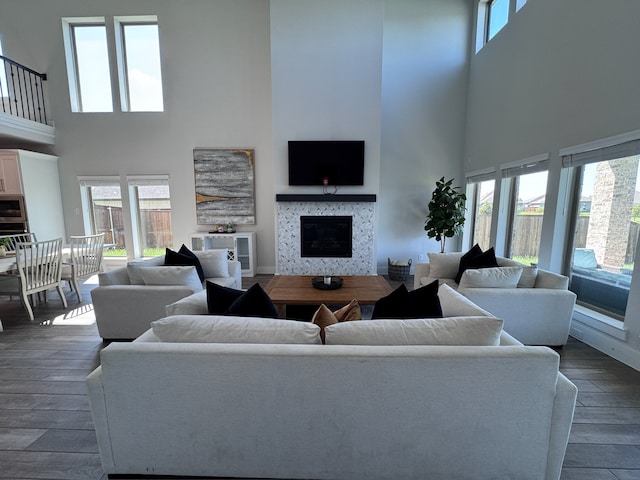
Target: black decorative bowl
318	282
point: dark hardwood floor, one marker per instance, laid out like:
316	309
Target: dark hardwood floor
46	430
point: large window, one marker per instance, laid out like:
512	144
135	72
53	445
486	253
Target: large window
525	183
480	190
137	56
138	49
88	65
497	17
138	225
607	224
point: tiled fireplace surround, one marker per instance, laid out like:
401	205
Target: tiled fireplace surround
362	210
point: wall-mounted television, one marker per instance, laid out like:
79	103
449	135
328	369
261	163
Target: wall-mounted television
326	162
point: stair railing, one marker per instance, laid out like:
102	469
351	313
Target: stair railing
21	91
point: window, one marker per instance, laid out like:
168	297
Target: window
151	214
497	17
144	216
88	65
525	183
607	223
138	50
480	190
137	57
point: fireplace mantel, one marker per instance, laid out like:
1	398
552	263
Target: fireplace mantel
301	197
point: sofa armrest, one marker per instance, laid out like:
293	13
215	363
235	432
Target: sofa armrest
126	311
117	276
235	271
546	279
561	420
95	389
420	270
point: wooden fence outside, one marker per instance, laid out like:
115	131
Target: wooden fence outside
156	226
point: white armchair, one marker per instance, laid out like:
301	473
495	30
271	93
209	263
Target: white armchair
125	307
537	315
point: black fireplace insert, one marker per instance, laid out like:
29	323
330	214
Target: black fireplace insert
326	236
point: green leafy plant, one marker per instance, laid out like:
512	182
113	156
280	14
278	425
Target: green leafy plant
445	218
5	242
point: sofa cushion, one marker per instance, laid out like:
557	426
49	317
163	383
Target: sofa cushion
420	303
183	257
133	268
494	277
221	329
479	331
220	298
195	304
215	263
171	275
253	303
444	265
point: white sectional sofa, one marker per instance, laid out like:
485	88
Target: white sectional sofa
536	312
313	411
125	306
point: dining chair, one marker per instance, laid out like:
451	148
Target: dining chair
17	238
86	260
39	267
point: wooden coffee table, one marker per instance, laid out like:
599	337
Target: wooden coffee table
297	290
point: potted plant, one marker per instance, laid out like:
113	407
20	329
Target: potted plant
445	218
4	243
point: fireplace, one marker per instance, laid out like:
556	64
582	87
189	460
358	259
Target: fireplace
325	236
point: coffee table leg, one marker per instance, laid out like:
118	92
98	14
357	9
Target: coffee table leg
282	310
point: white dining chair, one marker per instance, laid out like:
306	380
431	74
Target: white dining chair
39	267
17	238
86	260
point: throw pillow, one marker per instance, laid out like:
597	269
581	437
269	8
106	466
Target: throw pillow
215	263
486	259
184	257
464	260
528	277
394	305
479	331
133	268
323	317
493	277
349	312
215	329
171	276
424	301
220	298
444	265
253	303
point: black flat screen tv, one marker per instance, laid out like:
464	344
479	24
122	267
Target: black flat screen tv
326	162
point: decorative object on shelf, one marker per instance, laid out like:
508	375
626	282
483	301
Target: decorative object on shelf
327	282
445	218
230	228
224	180
398	269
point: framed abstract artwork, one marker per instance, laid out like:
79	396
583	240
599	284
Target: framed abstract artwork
224	185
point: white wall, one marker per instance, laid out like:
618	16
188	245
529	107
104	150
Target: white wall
559	74
424	87
215	65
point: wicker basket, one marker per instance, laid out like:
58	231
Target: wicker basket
398	272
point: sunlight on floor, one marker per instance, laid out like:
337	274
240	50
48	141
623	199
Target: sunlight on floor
83	315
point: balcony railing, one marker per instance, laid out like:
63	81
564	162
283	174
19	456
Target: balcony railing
21	91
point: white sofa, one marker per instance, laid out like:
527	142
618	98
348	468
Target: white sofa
125	310
536	314
335	411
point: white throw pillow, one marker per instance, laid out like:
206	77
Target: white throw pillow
195	304
479	331
229	329
528	278
171	275
492	277
133	268
215	263
455	304
444	265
